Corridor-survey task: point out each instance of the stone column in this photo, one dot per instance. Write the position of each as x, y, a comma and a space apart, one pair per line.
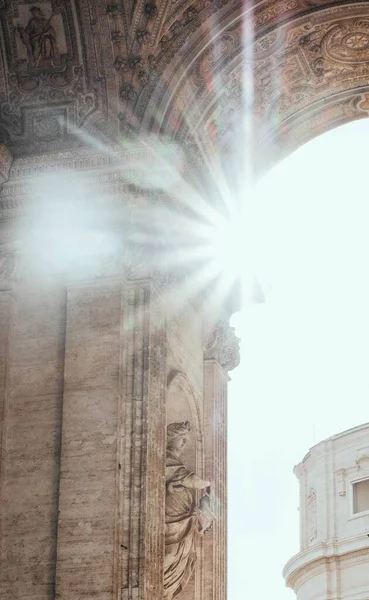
140, 518
221, 354
111, 519
85, 543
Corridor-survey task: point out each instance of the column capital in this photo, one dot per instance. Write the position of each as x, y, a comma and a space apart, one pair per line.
222, 344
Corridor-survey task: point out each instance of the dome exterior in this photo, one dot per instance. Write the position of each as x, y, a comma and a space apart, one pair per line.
333, 562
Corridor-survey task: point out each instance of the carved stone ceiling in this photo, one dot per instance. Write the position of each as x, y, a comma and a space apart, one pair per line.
191, 69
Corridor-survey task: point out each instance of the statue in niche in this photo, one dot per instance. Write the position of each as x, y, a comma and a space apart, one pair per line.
184, 519
39, 38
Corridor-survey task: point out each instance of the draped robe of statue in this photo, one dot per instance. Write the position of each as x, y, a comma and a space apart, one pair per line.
39, 37
184, 521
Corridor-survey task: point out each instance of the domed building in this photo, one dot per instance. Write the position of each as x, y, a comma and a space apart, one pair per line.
333, 561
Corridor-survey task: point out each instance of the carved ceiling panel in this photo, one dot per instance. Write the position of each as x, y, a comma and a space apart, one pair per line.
311, 75
74, 71
54, 79
305, 71
316, 57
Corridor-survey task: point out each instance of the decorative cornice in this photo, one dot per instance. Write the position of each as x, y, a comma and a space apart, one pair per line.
301, 568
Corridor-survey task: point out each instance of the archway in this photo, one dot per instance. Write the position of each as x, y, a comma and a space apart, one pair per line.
273, 75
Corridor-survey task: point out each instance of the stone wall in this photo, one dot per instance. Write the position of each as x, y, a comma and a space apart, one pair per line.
96, 359
32, 365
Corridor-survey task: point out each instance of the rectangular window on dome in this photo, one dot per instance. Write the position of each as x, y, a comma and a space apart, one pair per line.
361, 496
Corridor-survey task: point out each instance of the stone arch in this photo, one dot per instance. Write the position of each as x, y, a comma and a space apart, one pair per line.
310, 74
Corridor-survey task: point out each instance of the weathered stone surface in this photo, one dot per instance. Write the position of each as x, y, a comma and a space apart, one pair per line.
89, 443
215, 422
31, 447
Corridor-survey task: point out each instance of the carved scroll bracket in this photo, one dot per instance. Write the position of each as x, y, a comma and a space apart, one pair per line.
223, 345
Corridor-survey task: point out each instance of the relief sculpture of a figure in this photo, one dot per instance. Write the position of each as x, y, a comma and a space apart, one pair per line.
39, 38
184, 519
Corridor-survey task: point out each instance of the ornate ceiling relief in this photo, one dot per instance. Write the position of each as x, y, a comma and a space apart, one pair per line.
185, 68
312, 59
307, 71
311, 76
94, 70
147, 37
53, 80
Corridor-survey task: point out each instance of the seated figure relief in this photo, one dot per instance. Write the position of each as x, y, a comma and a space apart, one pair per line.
184, 519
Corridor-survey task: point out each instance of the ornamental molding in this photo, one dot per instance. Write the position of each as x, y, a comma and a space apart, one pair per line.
362, 459
312, 530
296, 577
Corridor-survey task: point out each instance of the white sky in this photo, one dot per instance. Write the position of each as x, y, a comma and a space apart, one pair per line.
305, 353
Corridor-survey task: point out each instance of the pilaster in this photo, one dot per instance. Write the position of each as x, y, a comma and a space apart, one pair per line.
140, 521
221, 354
85, 539
111, 519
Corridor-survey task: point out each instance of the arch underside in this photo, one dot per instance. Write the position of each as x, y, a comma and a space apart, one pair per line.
198, 71
300, 76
